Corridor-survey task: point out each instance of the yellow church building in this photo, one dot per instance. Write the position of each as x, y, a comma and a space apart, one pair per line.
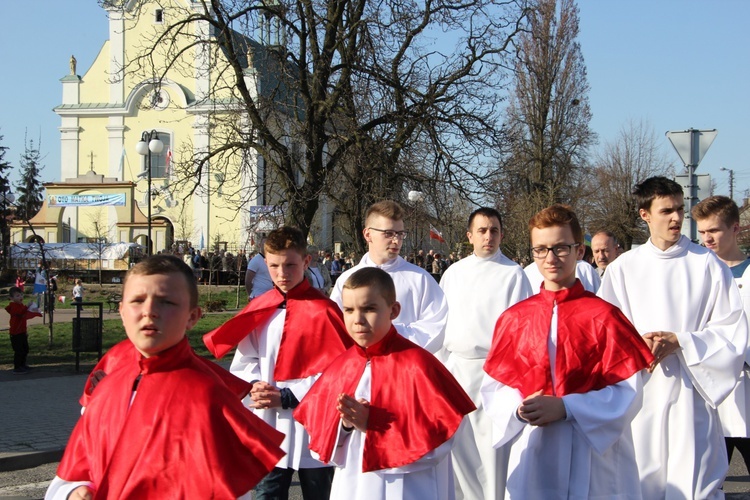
105, 191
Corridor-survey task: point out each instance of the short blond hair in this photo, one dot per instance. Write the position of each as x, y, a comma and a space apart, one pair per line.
386, 208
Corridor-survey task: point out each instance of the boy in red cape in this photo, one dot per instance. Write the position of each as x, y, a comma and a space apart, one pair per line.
386, 410
161, 424
563, 379
285, 338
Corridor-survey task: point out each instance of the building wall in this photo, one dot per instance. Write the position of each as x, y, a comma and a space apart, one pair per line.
105, 115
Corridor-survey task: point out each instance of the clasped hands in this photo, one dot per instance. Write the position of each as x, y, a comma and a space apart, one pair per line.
354, 412
265, 396
662, 344
538, 409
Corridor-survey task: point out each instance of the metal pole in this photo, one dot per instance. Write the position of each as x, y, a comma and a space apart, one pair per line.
148, 145
148, 195
731, 180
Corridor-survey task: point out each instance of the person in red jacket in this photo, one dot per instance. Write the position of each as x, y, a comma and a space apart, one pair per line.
385, 411
19, 337
162, 423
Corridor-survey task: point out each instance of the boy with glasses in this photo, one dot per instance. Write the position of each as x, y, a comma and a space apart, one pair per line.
424, 310
563, 379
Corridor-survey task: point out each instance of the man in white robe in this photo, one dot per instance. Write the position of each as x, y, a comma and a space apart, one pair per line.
478, 289
585, 273
424, 310
718, 221
683, 301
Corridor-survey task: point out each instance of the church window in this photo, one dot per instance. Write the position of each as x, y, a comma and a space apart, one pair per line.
161, 164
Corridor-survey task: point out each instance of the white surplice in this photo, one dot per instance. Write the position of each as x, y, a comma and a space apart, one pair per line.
429, 477
423, 307
478, 291
734, 411
255, 359
589, 455
688, 291
585, 272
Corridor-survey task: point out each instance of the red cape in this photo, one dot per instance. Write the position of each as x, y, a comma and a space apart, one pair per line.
416, 404
186, 435
314, 332
125, 350
596, 344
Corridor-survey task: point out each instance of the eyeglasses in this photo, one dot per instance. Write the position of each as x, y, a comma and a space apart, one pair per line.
390, 234
558, 250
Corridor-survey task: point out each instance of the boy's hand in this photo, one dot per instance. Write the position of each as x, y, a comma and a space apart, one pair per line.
541, 410
265, 396
81, 493
354, 412
662, 344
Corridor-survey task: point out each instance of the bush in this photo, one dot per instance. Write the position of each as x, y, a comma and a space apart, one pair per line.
215, 305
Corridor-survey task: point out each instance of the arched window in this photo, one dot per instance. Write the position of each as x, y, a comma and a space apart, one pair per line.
161, 163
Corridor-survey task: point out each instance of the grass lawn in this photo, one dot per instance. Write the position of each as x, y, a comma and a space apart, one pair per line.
60, 357
95, 293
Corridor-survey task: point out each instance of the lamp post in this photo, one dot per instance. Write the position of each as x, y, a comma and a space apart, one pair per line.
148, 144
415, 197
6, 197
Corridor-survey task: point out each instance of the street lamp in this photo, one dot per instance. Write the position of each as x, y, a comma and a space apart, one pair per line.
415, 197
148, 144
5, 197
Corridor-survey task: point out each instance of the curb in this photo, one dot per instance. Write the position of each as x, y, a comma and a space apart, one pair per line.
28, 460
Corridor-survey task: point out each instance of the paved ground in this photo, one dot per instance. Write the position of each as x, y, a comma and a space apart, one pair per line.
38, 412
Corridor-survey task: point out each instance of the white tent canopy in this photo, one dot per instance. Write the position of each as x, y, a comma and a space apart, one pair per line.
28, 254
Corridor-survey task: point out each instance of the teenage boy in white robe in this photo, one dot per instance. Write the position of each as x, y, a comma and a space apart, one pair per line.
563, 379
424, 310
478, 288
684, 302
718, 221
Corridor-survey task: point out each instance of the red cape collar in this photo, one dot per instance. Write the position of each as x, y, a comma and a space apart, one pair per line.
314, 332
415, 405
596, 345
182, 419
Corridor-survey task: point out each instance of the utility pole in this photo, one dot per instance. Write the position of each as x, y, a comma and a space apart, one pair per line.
731, 181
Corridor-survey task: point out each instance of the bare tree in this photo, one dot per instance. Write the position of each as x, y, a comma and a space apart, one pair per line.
631, 158
331, 82
98, 240
184, 229
547, 119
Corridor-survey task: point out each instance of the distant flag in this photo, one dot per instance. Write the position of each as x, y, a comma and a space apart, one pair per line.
168, 160
436, 235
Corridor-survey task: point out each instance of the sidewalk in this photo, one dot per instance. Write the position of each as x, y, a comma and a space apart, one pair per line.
40, 409
38, 413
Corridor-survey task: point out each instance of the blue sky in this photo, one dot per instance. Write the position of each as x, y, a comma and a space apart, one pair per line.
674, 64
